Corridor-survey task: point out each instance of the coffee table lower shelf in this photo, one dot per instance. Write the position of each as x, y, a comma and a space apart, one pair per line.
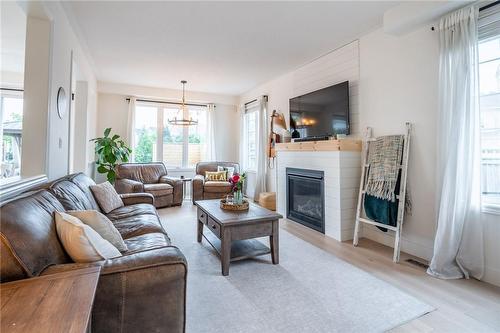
240, 249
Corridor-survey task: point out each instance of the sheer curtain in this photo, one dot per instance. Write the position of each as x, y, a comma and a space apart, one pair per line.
131, 125
458, 246
210, 153
262, 137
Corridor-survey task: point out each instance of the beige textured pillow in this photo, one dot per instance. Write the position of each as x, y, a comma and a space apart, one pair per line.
217, 175
106, 196
82, 243
104, 227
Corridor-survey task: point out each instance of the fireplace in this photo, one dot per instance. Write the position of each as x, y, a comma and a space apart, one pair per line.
305, 195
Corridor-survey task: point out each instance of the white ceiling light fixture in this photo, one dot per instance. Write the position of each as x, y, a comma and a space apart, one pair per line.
183, 110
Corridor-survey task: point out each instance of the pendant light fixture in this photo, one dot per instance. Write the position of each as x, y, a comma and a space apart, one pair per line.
182, 120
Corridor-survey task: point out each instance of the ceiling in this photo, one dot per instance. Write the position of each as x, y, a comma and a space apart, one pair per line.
218, 47
12, 37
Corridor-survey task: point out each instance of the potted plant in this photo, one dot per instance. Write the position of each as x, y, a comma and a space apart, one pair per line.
110, 151
238, 181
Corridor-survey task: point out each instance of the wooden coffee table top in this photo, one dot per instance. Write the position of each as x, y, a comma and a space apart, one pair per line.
255, 213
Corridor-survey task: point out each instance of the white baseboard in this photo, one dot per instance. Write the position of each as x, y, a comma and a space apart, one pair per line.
492, 275
416, 249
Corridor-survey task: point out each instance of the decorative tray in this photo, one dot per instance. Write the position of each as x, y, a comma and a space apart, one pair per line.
231, 206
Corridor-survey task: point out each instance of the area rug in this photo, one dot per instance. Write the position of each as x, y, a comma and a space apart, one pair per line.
310, 290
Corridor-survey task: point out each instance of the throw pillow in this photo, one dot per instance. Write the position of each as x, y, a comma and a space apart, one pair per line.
229, 170
104, 227
106, 196
217, 175
82, 243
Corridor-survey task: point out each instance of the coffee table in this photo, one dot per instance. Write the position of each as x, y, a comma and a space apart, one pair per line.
235, 231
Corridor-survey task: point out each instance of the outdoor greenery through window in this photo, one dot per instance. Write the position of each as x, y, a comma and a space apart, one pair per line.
489, 86
11, 118
176, 146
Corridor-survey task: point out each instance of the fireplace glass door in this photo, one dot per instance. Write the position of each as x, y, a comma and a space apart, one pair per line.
305, 194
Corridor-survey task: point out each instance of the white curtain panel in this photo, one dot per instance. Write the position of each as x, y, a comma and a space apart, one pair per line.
131, 125
262, 137
211, 153
458, 246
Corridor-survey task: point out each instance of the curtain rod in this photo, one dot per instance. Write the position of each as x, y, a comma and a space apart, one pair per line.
490, 5
254, 100
165, 102
12, 89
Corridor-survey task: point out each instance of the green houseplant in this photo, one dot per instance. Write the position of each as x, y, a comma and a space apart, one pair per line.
110, 151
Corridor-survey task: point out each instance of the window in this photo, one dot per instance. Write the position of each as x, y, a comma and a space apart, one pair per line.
11, 115
176, 146
250, 122
489, 88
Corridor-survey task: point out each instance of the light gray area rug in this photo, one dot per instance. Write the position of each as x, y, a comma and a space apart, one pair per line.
310, 290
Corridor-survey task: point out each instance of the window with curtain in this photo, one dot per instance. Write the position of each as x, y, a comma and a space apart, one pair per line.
179, 147
250, 130
11, 116
489, 86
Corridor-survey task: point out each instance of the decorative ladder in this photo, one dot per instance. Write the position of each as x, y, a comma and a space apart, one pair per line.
401, 196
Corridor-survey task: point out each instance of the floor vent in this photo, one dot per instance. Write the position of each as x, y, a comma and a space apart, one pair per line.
417, 263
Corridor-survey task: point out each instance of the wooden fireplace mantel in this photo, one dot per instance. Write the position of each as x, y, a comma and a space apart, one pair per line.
327, 145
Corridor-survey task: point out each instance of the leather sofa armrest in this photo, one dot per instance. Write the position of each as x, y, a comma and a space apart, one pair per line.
124, 185
139, 292
177, 184
137, 198
198, 184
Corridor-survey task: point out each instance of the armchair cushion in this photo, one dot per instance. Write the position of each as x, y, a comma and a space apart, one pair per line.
217, 186
158, 189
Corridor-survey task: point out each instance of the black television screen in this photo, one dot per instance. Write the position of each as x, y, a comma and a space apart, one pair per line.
323, 112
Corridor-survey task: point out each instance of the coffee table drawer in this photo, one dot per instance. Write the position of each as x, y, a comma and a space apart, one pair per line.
202, 216
214, 227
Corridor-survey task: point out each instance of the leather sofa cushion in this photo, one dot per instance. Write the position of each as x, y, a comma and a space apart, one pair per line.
147, 242
84, 182
70, 195
148, 173
28, 226
217, 187
138, 225
158, 189
131, 210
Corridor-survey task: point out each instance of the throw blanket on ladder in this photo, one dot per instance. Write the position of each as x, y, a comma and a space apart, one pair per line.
384, 158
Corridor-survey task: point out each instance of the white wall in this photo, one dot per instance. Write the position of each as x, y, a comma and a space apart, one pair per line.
64, 43
113, 109
398, 82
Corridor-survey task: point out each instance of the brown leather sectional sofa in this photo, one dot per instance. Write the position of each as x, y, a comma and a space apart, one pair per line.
142, 291
150, 178
203, 189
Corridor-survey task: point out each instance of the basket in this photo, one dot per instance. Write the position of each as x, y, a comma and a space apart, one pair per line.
234, 207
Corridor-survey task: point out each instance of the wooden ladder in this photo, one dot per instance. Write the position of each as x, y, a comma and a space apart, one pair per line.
401, 196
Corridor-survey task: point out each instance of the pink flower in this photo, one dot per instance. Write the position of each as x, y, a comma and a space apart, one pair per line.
236, 178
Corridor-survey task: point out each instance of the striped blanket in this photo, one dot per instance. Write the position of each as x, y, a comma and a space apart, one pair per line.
384, 157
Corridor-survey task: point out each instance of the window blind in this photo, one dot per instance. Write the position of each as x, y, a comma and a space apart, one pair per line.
489, 22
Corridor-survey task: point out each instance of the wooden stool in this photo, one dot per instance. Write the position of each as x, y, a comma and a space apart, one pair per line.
268, 200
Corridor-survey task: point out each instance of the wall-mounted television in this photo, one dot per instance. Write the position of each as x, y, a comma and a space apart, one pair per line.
321, 114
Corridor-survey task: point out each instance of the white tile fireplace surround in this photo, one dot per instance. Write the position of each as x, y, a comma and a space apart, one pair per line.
342, 172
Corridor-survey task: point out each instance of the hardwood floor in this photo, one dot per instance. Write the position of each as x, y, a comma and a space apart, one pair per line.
461, 305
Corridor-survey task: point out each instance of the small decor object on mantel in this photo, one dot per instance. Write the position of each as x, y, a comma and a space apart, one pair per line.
238, 181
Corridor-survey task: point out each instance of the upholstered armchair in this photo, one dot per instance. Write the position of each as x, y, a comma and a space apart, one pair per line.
203, 189
149, 178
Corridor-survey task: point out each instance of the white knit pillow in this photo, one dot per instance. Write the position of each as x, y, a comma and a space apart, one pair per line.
82, 243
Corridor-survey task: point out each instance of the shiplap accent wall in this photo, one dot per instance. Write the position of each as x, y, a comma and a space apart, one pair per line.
342, 171
335, 67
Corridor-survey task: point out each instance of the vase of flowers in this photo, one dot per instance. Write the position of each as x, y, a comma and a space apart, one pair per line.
237, 182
